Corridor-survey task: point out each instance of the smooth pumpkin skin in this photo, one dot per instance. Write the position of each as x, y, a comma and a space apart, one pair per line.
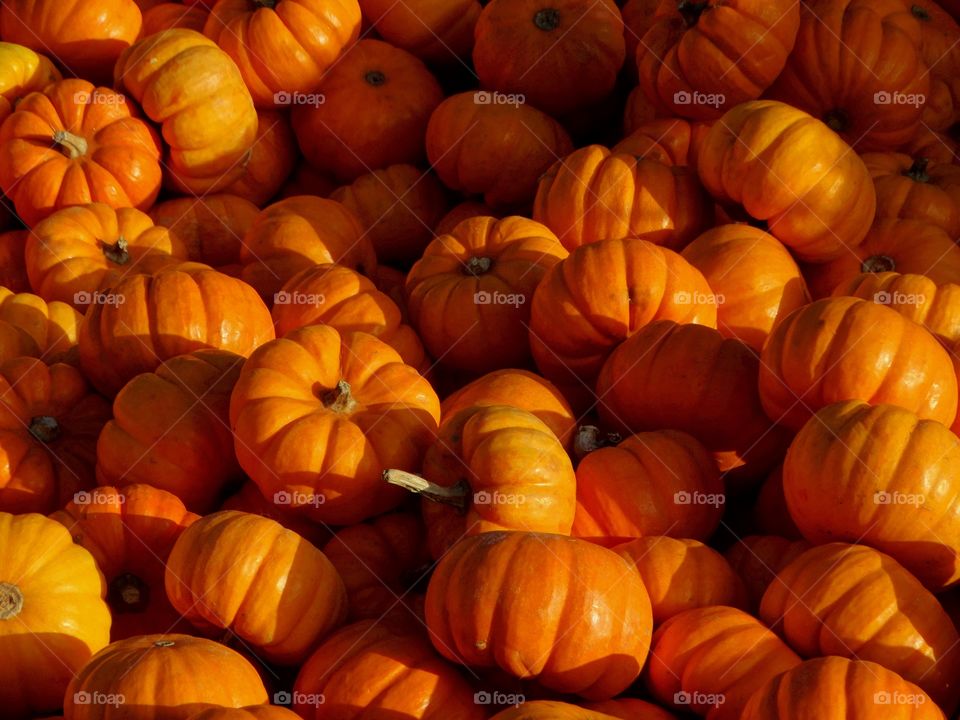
602, 294
835, 688
445, 291
369, 670
170, 429
437, 31
347, 301
397, 206
714, 650
631, 490
596, 194
682, 574
758, 558
170, 15
561, 55
13, 268
855, 602
45, 462
756, 276
691, 378
130, 533
916, 297
873, 46
271, 159
85, 37
495, 150
912, 187
190, 87
671, 141
550, 710
845, 348
849, 452
52, 326
24, 72
300, 431
298, 232
630, 709
734, 50
251, 712
377, 102
250, 575
594, 619
78, 251
54, 617
165, 677
285, 46
175, 311
790, 170
513, 473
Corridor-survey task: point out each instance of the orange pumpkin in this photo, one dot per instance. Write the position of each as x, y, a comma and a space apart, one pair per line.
482, 595
13, 268
671, 141
439, 32
469, 295
935, 146
24, 72
53, 327
376, 102
170, 15
270, 161
915, 188
939, 35
460, 212
594, 194
350, 409
249, 499
758, 558
638, 16
845, 348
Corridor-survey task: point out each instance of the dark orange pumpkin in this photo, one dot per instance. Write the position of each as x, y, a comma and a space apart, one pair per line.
460, 212
758, 558
671, 141
13, 267
435, 31
915, 188
270, 160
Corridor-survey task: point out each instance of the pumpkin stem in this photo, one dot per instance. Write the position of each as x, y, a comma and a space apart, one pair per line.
73, 146
837, 120
11, 601
691, 11
477, 266
128, 593
340, 400
920, 13
455, 495
547, 19
164, 643
878, 264
44, 428
918, 171
117, 252
375, 78
589, 438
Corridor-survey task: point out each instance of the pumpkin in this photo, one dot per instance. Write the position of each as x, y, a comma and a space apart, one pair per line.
251, 712
770, 515
638, 16
682, 574
130, 533
903, 246
264, 583
170, 429
74, 144
15, 343
87, 38
873, 88
492, 467
434, 31
916, 297
469, 295
629, 708
170, 15
521, 389
594, 194
171, 675
593, 615
460, 212
299, 232
845, 348
50, 420
691, 378
789, 170
827, 601
376, 102
902, 472
551, 710
479, 145
758, 558
194, 91
638, 110
653, 483
249, 499
345, 300
835, 688
24, 72
212, 228
710, 660
755, 280
939, 34
301, 39
80, 251
915, 188
671, 141
13, 269
699, 59
177, 310
390, 282
53, 326
368, 669
379, 561
398, 208
271, 159
559, 55
318, 416
934, 146
53, 616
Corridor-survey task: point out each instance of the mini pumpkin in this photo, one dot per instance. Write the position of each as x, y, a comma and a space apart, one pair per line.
24, 72
939, 34
460, 212
249, 499
758, 558
915, 188
270, 162
52, 326
671, 141
439, 32
170, 15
